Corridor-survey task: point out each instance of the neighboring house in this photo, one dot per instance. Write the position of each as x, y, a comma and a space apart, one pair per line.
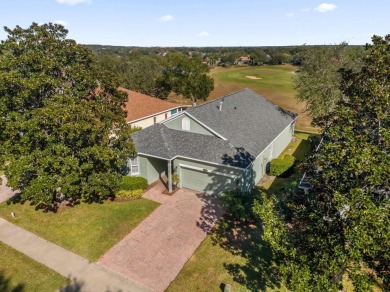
144, 110
224, 144
243, 60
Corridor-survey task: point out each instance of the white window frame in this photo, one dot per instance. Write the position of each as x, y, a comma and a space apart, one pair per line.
186, 124
132, 165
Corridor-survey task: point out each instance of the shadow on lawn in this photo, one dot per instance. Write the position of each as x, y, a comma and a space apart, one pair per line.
5, 285
259, 272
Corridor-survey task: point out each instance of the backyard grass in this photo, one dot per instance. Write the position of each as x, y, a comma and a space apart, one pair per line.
88, 230
236, 254
20, 273
273, 82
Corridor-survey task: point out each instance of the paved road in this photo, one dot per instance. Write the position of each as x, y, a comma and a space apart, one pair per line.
5, 192
157, 249
85, 276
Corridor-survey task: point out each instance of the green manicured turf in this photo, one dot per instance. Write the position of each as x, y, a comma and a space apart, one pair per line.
20, 273
275, 78
86, 229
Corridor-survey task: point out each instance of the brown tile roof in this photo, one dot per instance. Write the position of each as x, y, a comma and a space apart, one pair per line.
140, 105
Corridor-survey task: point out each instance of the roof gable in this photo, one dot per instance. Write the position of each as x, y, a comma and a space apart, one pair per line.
246, 124
245, 119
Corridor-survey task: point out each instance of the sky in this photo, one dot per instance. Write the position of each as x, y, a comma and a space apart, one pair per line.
204, 23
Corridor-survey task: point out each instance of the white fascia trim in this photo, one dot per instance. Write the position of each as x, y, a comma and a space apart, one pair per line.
155, 114
175, 116
153, 156
208, 162
204, 125
192, 159
207, 170
289, 125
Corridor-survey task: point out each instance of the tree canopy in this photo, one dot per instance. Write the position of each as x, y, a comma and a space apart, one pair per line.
160, 75
62, 130
319, 78
187, 76
340, 227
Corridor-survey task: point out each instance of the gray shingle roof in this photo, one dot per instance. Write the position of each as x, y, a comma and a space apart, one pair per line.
247, 120
160, 141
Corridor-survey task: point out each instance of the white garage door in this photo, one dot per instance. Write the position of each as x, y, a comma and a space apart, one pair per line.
204, 181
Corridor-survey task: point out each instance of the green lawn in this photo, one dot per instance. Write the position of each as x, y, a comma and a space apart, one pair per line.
235, 253
20, 273
86, 229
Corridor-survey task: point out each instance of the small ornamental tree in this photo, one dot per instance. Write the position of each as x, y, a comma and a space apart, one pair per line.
341, 226
62, 130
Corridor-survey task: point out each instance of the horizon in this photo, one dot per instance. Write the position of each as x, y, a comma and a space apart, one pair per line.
245, 23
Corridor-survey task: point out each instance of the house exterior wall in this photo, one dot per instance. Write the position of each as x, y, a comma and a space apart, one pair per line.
195, 127
152, 168
209, 178
257, 169
149, 121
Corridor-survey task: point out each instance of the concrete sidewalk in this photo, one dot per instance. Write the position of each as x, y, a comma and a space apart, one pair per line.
5, 192
85, 276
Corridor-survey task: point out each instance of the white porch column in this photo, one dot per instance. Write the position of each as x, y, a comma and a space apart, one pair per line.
169, 175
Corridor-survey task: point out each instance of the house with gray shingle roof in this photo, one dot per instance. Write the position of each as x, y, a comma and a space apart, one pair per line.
225, 144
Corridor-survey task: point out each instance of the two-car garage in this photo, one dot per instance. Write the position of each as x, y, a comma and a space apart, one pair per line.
207, 180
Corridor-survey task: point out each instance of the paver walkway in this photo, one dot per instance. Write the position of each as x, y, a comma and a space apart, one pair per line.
157, 249
5, 192
86, 276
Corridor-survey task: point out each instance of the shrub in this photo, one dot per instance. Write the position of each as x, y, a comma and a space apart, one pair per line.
282, 166
240, 205
129, 194
131, 183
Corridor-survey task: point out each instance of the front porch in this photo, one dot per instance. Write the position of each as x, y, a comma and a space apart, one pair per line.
157, 170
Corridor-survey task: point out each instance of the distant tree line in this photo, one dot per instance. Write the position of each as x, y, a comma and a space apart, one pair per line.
225, 56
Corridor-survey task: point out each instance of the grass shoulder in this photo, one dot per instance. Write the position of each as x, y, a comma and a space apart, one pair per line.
20, 273
88, 230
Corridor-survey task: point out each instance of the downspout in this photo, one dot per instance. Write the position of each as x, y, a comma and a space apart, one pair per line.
170, 176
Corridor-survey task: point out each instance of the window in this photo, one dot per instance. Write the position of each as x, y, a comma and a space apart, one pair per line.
174, 111
134, 166
185, 124
154, 120
166, 115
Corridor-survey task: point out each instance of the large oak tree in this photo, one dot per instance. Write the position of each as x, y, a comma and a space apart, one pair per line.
340, 227
62, 130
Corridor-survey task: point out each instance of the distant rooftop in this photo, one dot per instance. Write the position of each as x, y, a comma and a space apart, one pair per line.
140, 105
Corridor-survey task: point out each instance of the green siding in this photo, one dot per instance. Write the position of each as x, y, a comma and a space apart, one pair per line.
152, 168
257, 170
195, 127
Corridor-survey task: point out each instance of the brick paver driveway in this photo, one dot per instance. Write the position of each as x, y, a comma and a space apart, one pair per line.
155, 252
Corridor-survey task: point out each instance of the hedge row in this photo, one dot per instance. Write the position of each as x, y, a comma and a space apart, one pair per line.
129, 194
280, 167
131, 183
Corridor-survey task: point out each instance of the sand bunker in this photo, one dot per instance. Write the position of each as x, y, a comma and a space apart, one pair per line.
253, 77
